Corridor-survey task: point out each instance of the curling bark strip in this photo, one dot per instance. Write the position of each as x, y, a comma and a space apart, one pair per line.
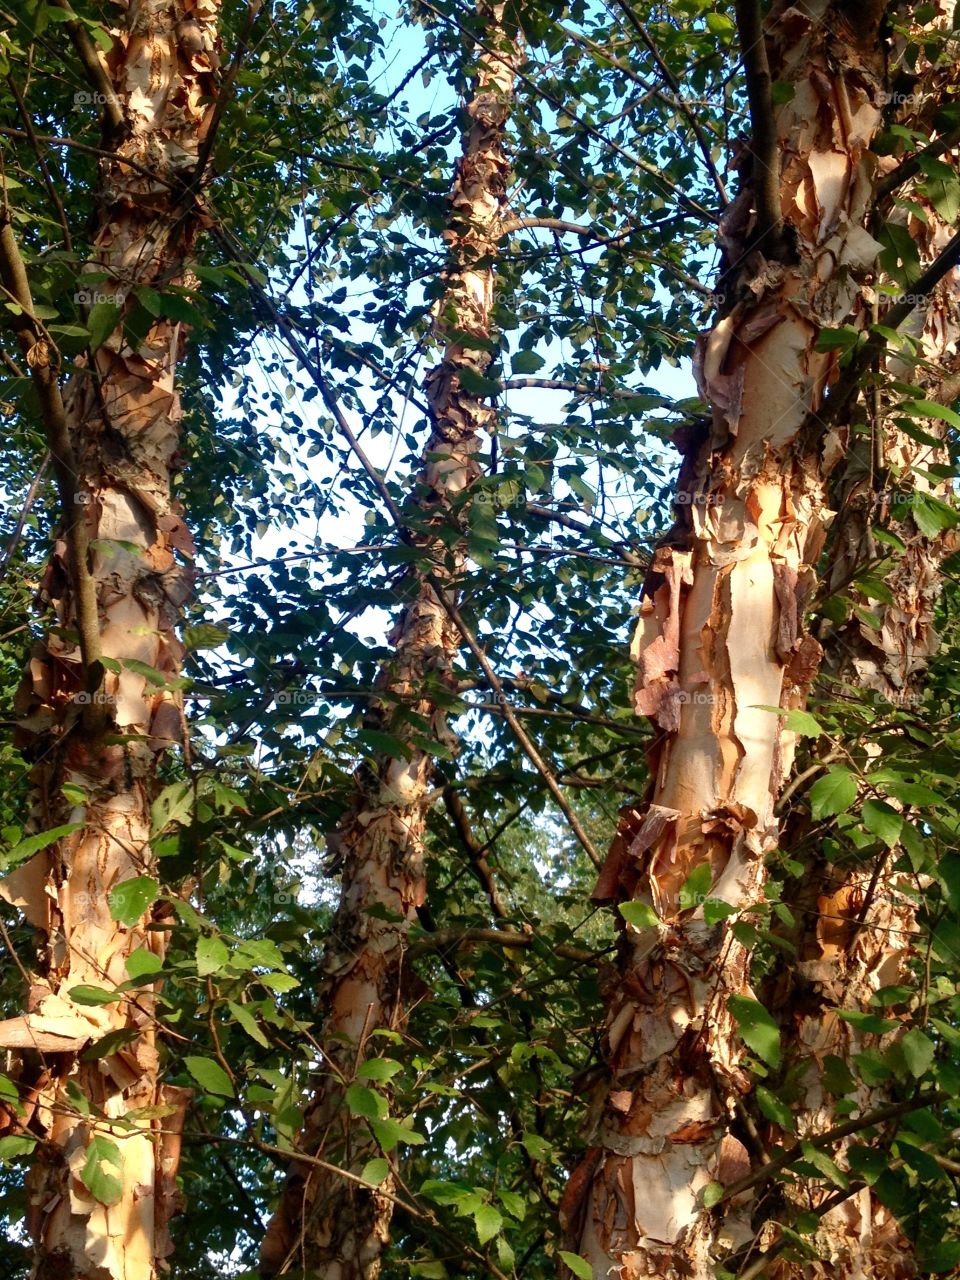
96, 718
722, 635
326, 1225
857, 925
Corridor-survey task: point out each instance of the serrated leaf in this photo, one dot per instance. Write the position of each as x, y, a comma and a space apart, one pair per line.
142, 962
526, 362
130, 899
365, 1102
101, 1169
245, 1018
488, 1221
33, 844
210, 1076
775, 1109
834, 793
882, 821
639, 914
696, 888
918, 1052
15, 1145
101, 322
212, 954
389, 1133
374, 1171
757, 1028
378, 1069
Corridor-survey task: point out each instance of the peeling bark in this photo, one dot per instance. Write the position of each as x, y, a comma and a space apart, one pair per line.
325, 1225
855, 927
91, 720
721, 636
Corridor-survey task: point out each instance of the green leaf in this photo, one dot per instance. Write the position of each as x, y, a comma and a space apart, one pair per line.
488, 1221
73, 793
757, 1028
212, 954
918, 1052
130, 899
210, 1076
390, 1132
775, 1110
712, 1194
102, 1157
245, 1018
882, 821
640, 915
14, 1145
834, 793
715, 910
526, 362
930, 515
696, 888
823, 1164
366, 1102
86, 994
870, 1023
803, 724
514, 1204
33, 844
101, 322
173, 804
379, 1069
142, 962
374, 1171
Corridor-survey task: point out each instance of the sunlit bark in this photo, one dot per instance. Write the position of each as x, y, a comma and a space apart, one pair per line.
721, 638
99, 706
327, 1225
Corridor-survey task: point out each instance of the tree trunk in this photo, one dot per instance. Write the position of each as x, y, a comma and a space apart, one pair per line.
96, 722
327, 1225
722, 637
856, 925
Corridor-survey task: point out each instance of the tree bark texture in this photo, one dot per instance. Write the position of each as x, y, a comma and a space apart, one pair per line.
326, 1225
721, 637
99, 704
857, 924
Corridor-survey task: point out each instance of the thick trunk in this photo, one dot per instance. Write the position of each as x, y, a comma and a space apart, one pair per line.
327, 1225
95, 724
857, 924
721, 637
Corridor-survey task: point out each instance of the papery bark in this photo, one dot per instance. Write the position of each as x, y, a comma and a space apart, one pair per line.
857, 925
326, 1225
103, 731
721, 640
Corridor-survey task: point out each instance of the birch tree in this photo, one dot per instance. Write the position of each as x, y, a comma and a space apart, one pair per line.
329, 1224
724, 654
99, 706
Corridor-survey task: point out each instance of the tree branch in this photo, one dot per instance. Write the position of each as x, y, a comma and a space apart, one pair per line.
766, 167
42, 359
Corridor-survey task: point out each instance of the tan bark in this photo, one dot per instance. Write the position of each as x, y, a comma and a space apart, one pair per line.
326, 1225
91, 720
857, 927
722, 636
